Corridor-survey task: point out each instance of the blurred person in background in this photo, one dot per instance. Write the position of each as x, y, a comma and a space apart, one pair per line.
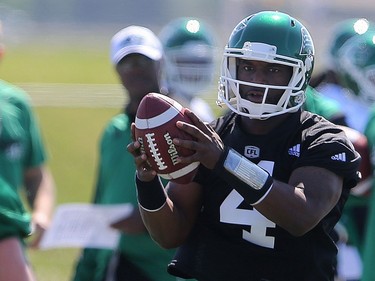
355, 91
23, 170
136, 55
358, 57
189, 63
333, 81
324, 106
340, 82
334, 100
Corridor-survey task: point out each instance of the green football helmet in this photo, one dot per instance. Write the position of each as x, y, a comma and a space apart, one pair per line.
343, 31
188, 56
357, 58
271, 37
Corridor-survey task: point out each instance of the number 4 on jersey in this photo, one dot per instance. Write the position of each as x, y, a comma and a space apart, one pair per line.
231, 213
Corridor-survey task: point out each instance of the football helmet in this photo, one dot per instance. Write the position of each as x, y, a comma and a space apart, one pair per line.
271, 37
357, 58
188, 56
342, 32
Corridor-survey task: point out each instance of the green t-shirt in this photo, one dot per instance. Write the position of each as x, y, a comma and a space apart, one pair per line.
21, 147
321, 105
116, 184
21, 144
14, 220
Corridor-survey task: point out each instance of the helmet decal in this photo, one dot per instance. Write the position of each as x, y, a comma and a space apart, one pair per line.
240, 26
307, 44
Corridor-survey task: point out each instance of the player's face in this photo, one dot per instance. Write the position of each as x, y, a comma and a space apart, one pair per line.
260, 72
138, 74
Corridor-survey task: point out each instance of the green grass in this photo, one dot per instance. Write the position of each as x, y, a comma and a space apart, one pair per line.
71, 135
61, 64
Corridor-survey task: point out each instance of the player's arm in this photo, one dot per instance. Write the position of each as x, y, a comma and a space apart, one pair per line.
298, 206
12, 261
171, 224
40, 190
168, 214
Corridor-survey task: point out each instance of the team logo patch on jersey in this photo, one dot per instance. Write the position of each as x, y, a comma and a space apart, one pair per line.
252, 151
339, 157
295, 150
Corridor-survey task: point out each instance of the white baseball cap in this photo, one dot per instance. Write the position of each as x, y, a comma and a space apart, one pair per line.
135, 39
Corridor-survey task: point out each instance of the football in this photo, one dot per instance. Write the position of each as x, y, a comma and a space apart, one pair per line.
155, 128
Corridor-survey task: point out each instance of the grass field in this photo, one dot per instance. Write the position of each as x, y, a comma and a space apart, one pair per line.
63, 63
71, 136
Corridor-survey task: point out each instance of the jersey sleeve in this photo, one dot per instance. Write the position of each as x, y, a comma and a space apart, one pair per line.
328, 147
35, 154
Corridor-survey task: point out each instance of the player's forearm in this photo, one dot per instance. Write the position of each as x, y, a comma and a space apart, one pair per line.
41, 193
166, 226
165, 223
302, 203
45, 199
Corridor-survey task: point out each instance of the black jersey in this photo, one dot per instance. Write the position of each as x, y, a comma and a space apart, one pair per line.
232, 241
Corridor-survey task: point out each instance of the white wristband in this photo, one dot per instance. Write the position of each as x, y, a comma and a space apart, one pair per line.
250, 180
245, 170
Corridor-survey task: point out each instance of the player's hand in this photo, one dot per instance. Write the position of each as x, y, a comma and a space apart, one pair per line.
208, 145
40, 224
144, 170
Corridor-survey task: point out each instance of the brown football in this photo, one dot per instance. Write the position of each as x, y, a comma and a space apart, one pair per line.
155, 128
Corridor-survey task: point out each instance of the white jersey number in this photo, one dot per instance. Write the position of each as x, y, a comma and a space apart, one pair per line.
231, 213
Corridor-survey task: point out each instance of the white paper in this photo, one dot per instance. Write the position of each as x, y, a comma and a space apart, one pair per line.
85, 226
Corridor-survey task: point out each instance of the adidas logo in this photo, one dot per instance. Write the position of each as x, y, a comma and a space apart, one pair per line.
339, 157
295, 150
